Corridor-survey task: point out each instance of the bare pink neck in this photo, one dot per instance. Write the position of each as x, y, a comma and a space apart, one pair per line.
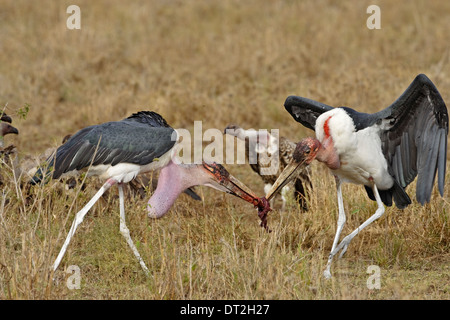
328, 155
173, 180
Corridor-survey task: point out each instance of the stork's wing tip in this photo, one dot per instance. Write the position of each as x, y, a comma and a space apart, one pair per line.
294, 100
422, 77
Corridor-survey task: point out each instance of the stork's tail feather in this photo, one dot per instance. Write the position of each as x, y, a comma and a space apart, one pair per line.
401, 198
396, 192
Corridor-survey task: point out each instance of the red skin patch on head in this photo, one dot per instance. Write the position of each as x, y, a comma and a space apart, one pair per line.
326, 128
328, 154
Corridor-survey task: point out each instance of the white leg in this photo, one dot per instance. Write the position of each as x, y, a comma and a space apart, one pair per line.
79, 218
345, 242
340, 224
126, 232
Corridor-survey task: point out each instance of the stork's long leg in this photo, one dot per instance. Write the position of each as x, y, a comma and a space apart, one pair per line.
125, 231
340, 224
345, 242
79, 218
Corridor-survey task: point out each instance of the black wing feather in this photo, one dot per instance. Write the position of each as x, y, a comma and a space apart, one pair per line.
113, 143
150, 118
414, 137
138, 139
305, 111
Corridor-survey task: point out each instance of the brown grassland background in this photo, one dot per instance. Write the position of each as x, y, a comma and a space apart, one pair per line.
219, 62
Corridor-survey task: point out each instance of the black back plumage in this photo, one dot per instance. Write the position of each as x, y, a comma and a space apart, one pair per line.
138, 139
151, 118
413, 134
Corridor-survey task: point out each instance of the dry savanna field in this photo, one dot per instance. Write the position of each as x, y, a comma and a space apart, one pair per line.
218, 62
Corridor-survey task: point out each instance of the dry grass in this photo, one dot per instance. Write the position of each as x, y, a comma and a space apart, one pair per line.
219, 62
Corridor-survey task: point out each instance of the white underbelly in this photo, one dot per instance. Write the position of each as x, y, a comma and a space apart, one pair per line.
361, 174
125, 172
365, 161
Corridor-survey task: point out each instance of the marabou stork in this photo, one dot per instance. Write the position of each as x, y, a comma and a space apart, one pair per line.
119, 151
383, 151
268, 156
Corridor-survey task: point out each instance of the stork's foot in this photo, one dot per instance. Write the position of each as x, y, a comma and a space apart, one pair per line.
341, 247
327, 274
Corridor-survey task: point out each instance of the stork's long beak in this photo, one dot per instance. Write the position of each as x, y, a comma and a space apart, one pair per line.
227, 183
286, 176
222, 180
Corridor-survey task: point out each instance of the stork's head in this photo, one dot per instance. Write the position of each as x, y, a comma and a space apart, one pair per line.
219, 178
305, 152
222, 180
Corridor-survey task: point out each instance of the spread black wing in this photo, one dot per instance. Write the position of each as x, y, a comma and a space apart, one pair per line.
414, 137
